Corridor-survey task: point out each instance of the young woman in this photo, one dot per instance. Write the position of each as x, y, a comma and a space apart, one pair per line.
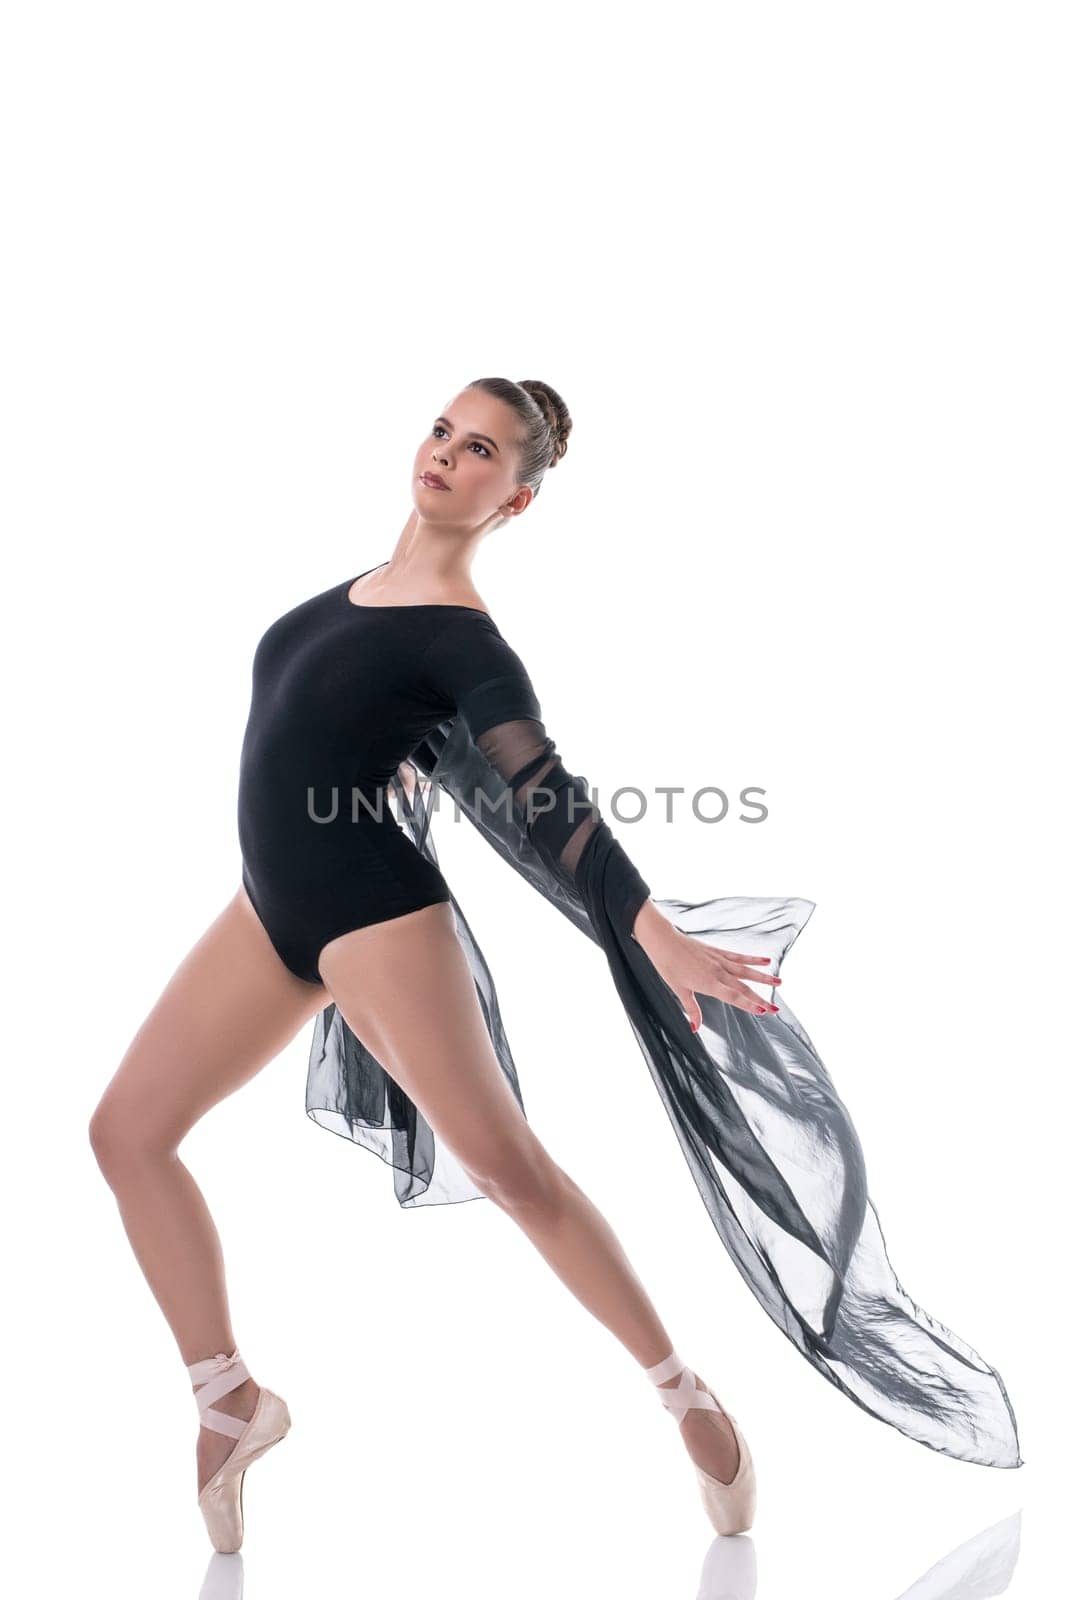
343, 913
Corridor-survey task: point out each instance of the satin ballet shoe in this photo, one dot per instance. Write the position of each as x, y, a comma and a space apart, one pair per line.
221, 1499
731, 1507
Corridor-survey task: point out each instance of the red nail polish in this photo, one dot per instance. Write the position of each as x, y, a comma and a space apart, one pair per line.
772, 1008
761, 1010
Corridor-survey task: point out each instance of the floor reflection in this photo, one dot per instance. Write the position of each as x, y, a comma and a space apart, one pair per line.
983, 1566
224, 1578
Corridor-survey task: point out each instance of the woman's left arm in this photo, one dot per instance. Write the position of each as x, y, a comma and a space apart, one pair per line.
485, 679
562, 823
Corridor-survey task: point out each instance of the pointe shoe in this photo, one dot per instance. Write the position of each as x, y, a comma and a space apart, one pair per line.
731, 1507
221, 1499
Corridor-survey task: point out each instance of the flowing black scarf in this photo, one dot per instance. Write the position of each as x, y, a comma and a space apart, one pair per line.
771, 1147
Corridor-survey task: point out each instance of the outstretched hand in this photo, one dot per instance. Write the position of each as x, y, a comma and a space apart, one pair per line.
689, 967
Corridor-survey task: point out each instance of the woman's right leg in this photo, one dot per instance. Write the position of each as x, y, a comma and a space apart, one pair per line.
438, 1050
229, 1008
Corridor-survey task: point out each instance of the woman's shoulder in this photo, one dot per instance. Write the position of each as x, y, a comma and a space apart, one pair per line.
462, 628
471, 641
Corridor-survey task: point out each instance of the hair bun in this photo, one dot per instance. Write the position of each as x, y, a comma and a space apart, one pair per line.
555, 413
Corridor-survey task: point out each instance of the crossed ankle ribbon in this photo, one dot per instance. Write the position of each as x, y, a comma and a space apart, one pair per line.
223, 1363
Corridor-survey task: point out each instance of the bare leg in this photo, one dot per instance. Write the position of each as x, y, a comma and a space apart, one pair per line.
441, 1055
228, 1010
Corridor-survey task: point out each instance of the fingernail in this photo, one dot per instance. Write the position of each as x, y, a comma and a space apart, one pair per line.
695, 1026
761, 1009
772, 1008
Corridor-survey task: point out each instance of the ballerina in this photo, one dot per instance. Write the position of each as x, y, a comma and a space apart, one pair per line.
343, 916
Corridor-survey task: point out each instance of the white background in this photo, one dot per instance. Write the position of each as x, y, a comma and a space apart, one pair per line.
797, 271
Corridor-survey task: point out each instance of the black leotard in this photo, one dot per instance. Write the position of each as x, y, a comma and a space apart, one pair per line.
341, 695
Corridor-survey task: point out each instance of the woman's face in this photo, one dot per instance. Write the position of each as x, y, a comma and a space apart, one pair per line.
472, 447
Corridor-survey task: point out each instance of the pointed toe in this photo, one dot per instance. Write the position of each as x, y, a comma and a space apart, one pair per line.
730, 1507
221, 1500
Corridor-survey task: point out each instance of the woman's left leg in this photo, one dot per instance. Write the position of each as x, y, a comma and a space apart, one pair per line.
441, 1055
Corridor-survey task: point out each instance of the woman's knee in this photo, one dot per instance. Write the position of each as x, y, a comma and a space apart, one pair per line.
121, 1135
524, 1180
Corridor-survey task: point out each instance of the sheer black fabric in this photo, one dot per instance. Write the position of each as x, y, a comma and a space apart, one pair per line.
770, 1145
